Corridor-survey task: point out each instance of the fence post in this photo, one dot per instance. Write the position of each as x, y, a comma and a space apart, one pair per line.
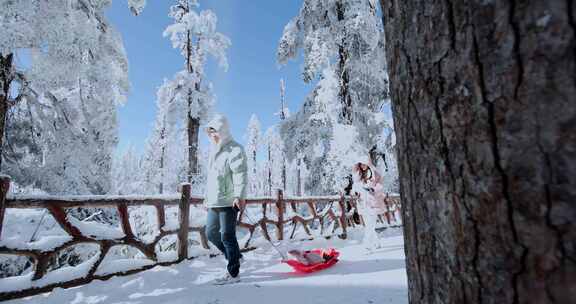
280, 211
4, 187
125, 221
343, 217
184, 219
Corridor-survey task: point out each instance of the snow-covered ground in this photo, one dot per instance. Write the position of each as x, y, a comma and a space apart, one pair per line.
359, 277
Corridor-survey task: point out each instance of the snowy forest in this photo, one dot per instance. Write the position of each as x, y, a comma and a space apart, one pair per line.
62, 126
465, 111
63, 90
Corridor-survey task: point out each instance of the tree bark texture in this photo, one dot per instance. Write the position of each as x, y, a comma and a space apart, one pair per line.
484, 101
4, 187
6, 77
193, 129
344, 75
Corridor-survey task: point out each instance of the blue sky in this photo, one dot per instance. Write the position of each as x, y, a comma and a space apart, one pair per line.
251, 84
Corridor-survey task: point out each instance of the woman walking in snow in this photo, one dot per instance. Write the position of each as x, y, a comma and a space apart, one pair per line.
225, 193
367, 183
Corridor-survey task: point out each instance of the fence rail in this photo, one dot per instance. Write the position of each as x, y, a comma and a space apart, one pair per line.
276, 212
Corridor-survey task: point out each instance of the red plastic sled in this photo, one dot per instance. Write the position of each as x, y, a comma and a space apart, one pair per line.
299, 267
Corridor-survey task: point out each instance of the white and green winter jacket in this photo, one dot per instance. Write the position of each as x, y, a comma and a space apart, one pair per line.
227, 169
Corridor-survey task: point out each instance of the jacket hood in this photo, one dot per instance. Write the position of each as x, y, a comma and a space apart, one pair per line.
220, 124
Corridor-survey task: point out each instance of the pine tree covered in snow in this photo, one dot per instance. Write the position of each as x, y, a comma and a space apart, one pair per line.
275, 156
154, 156
58, 113
61, 134
136, 6
164, 162
385, 158
252, 143
127, 173
195, 35
284, 111
341, 120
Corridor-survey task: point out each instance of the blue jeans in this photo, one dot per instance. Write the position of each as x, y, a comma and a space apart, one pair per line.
221, 231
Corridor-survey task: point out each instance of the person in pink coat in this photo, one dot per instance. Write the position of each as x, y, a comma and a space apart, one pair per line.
372, 199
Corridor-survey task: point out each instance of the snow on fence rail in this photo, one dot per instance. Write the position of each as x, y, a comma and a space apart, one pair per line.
276, 212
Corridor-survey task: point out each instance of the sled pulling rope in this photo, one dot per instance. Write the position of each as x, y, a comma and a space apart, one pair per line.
330, 256
271, 243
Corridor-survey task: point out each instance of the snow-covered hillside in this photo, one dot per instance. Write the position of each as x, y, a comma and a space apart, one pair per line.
359, 277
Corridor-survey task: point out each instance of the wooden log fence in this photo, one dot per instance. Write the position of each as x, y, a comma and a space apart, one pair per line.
320, 210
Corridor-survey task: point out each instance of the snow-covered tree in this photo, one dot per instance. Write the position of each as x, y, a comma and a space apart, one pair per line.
62, 36
164, 161
155, 158
126, 173
314, 136
385, 158
252, 143
341, 120
284, 111
195, 35
58, 113
136, 6
274, 163
60, 137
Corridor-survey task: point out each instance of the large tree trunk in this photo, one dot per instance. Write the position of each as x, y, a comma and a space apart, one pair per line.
6, 77
344, 75
484, 100
344, 94
193, 124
